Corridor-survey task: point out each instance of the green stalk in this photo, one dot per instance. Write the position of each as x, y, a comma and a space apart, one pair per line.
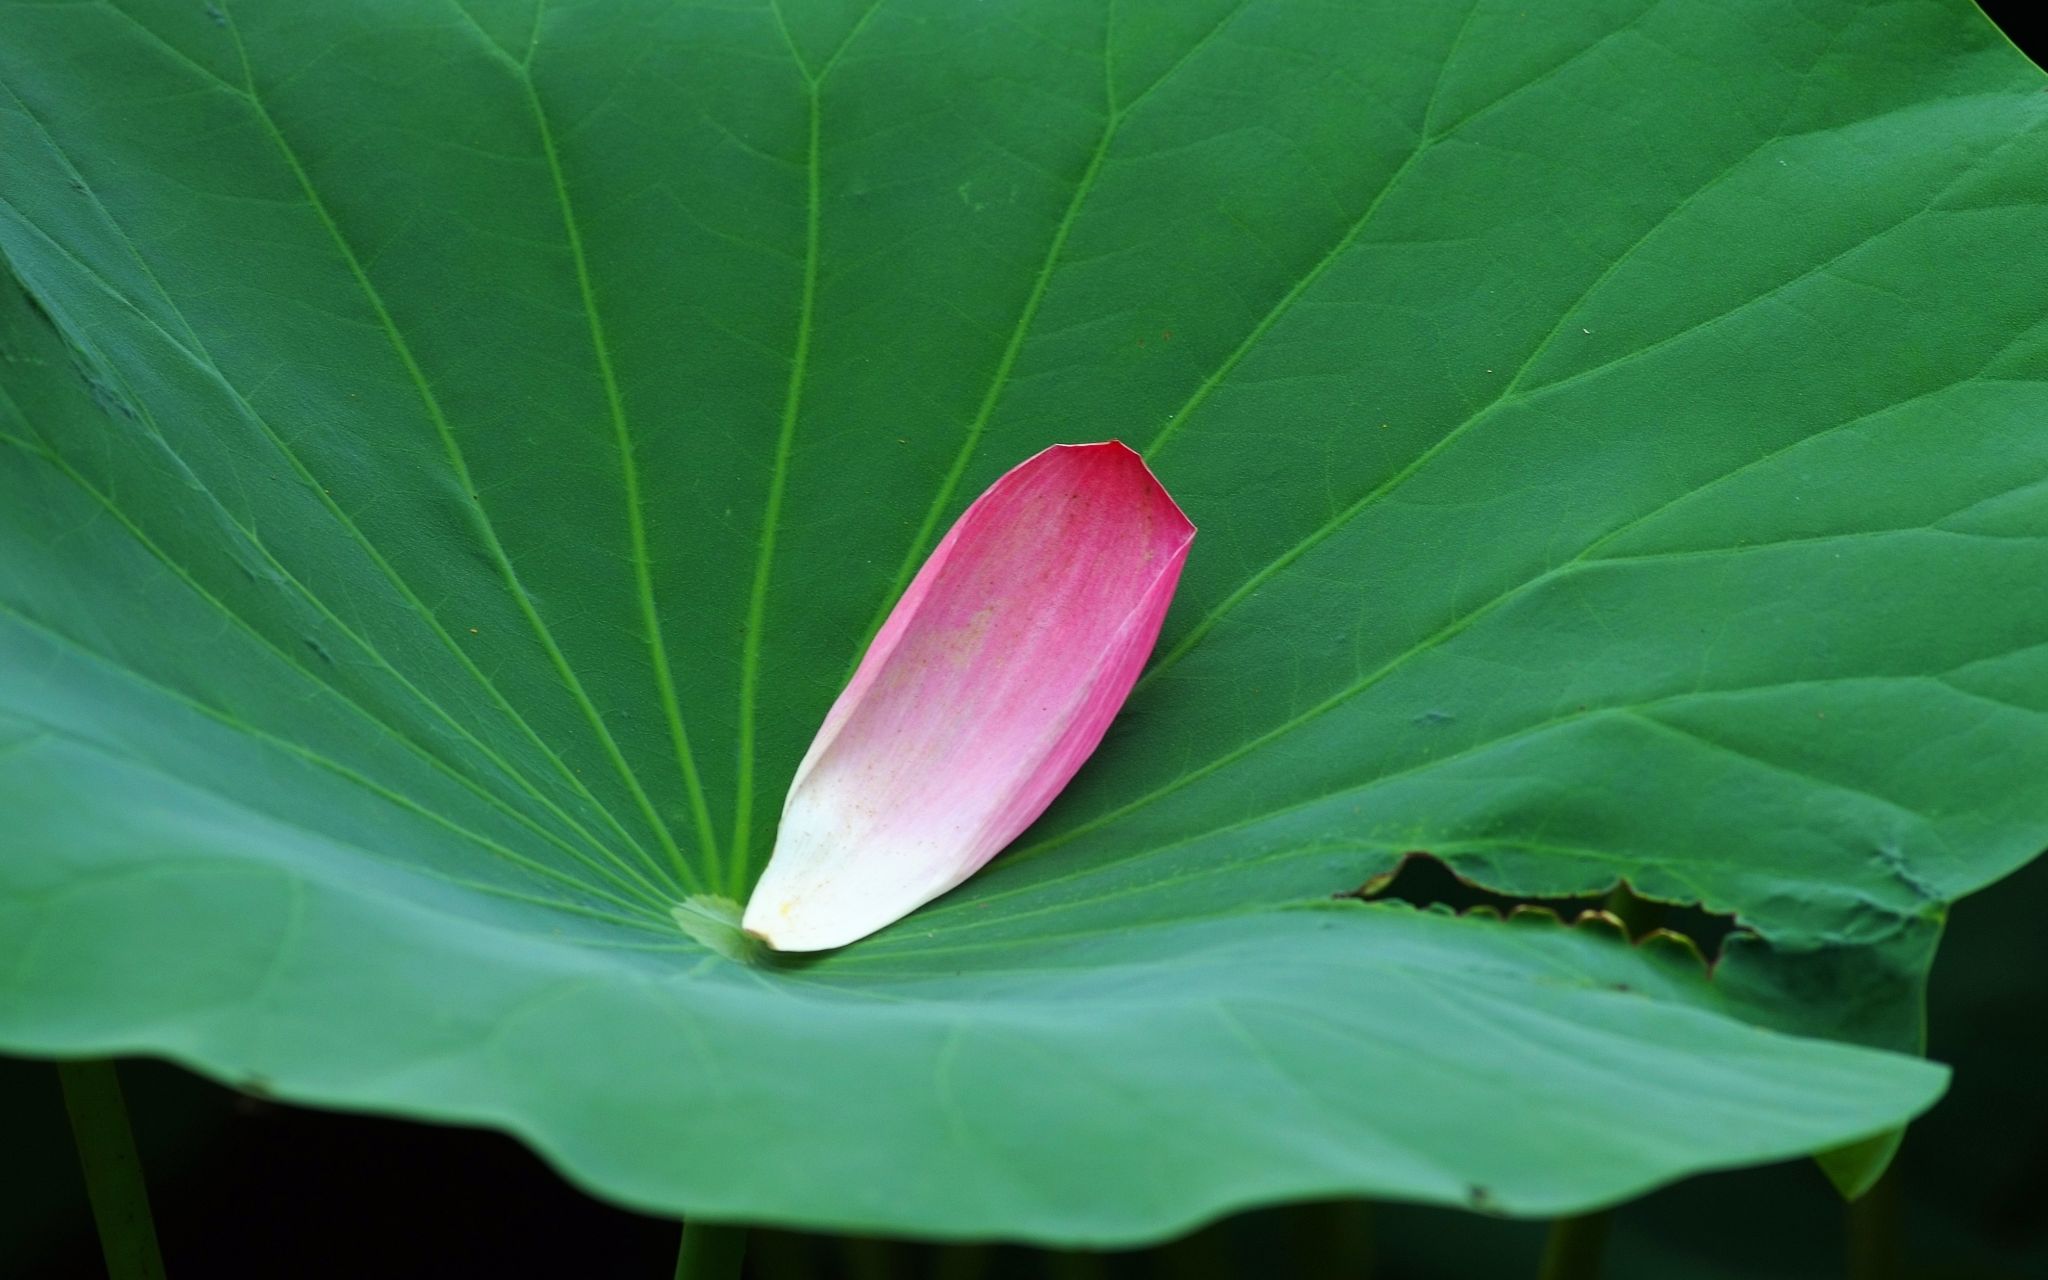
1637, 915
1347, 1237
1877, 1235
710, 1251
113, 1172
1575, 1246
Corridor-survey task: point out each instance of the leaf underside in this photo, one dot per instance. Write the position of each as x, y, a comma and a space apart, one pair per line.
451, 454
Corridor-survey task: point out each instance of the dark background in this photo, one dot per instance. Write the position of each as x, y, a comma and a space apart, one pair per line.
246, 1187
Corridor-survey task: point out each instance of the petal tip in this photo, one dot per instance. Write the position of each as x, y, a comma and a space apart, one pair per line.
1116, 453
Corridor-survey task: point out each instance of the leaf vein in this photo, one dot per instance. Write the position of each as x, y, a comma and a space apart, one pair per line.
452, 449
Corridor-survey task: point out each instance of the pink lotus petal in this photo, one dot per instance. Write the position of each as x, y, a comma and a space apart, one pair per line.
991, 682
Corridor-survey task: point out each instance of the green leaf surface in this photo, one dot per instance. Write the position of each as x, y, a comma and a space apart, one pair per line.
452, 454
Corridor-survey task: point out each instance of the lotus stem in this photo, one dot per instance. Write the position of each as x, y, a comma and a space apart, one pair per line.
710, 1251
113, 1171
1876, 1231
1576, 1246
